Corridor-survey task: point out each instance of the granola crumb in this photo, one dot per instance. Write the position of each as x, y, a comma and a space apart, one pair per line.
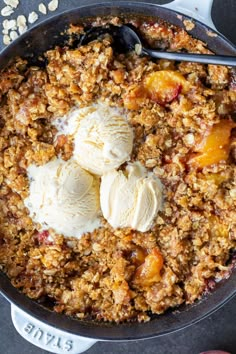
189, 25
189, 139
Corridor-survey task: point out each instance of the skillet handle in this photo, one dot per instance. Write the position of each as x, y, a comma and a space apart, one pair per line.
198, 9
47, 337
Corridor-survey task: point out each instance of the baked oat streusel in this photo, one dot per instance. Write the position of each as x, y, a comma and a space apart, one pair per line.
182, 118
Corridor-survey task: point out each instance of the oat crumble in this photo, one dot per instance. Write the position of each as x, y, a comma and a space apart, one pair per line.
122, 274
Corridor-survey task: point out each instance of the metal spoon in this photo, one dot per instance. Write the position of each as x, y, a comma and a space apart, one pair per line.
126, 39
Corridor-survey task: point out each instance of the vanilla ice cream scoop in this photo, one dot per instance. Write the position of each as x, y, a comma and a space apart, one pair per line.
64, 197
130, 198
103, 139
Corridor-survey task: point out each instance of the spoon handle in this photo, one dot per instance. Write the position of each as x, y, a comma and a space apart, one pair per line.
197, 58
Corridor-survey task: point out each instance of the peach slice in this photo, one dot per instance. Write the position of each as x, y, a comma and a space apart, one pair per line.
135, 98
215, 145
138, 256
165, 85
149, 272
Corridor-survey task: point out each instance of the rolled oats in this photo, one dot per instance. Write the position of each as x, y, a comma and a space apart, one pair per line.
21, 24
42, 8
189, 139
232, 193
10, 24
53, 5
21, 20
12, 3
22, 29
6, 39
7, 11
13, 35
33, 17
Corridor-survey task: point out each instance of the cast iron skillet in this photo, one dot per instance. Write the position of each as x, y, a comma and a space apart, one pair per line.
30, 45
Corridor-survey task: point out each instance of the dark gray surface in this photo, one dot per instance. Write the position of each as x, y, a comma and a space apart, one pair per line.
217, 331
